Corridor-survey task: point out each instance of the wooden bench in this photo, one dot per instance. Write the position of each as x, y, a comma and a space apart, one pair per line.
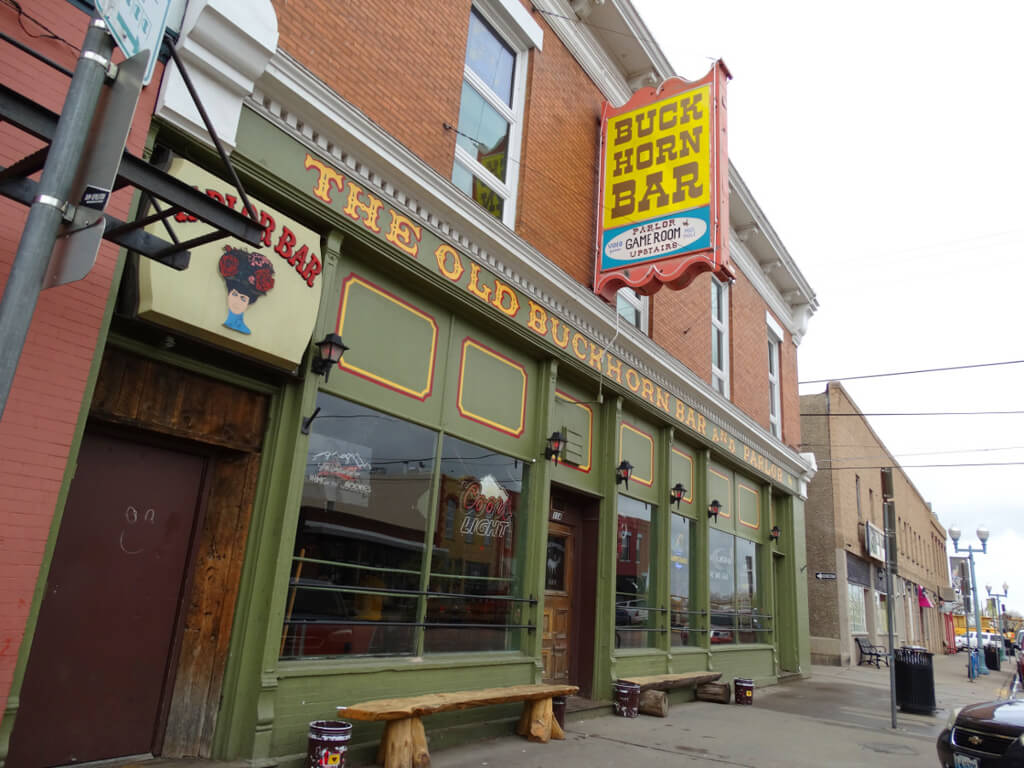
872, 654
654, 688
404, 744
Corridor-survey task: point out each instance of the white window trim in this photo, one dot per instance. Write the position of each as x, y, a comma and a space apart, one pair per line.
775, 337
520, 32
723, 326
638, 302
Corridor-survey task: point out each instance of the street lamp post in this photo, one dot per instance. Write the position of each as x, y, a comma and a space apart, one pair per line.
1000, 616
954, 534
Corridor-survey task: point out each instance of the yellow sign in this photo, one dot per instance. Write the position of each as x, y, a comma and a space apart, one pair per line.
260, 302
658, 159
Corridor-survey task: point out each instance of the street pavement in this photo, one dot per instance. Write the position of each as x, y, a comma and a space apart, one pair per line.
839, 716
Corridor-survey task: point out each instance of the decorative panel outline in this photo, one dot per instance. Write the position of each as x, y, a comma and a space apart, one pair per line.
345, 365
590, 430
518, 430
647, 481
757, 505
688, 496
727, 512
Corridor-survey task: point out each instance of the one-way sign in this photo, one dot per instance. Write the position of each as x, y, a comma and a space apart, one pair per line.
825, 576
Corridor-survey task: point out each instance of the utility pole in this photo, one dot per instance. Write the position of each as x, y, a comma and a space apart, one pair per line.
46, 215
889, 521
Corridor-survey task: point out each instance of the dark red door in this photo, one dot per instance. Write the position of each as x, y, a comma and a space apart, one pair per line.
95, 678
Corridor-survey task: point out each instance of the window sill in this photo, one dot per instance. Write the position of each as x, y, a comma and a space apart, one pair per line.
335, 665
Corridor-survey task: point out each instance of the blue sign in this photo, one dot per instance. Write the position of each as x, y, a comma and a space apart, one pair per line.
137, 25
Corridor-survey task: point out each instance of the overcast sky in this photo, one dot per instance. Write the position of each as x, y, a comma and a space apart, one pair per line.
885, 144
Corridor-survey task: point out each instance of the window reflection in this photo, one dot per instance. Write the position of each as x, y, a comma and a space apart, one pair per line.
360, 540
681, 556
633, 575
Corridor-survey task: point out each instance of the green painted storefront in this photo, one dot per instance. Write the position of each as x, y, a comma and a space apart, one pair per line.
449, 362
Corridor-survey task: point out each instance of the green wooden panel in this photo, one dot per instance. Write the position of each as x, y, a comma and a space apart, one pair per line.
682, 461
638, 444
574, 409
396, 361
492, 388
720, 486
391, 341
748, 506
490, 394
576, 423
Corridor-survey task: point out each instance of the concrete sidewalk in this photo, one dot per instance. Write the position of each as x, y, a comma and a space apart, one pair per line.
840, 716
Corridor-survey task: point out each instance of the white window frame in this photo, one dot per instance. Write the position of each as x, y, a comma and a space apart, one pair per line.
775, 337
512, 25
856, 608
640, 303
720, 326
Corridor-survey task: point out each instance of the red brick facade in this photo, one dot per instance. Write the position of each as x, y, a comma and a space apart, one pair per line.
42, 412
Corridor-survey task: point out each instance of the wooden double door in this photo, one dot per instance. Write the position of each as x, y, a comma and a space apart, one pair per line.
131, 640
569, 590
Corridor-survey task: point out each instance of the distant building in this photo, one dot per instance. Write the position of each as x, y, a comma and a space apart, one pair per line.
845, 539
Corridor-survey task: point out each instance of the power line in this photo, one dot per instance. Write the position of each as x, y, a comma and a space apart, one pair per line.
926, 466
923, 413
908, 373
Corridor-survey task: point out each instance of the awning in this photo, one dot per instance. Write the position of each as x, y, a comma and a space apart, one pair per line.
922, 599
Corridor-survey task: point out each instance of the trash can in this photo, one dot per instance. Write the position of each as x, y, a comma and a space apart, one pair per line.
558, 709
992, 658
743, 688
627, 699
328, 742
915, 680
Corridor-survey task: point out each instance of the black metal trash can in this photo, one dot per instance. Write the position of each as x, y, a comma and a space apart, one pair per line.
992, 660
328, 743
915, 680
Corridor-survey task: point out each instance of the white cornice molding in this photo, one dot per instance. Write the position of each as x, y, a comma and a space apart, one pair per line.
305, 107
225, 46
586, 49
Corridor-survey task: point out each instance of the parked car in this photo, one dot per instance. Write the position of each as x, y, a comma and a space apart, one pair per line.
970, 640
983, 735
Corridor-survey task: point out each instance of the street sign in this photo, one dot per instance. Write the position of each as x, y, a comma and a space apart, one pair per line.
137, 25
824, 576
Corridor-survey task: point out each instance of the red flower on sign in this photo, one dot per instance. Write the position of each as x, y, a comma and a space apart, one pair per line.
228, 265
262, 280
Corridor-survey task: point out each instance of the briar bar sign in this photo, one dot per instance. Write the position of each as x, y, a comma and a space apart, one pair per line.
664, 192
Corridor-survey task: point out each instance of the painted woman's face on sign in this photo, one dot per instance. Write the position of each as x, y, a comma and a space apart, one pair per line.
237, 302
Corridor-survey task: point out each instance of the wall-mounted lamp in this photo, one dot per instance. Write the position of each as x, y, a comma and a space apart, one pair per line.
331, 349
676, 493
555, 445
714, 508
773, 534
622, 473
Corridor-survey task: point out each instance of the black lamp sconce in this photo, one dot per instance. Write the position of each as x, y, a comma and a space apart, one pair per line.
331, 349
714, 508
554, 448
676, 493
622, 473
773, 534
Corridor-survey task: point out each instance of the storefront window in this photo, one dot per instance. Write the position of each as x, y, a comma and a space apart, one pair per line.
681, 555
471, 597
634, 623
356, 578
736, 614
856, 610
360, 540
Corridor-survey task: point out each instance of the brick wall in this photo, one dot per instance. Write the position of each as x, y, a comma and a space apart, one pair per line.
43, 407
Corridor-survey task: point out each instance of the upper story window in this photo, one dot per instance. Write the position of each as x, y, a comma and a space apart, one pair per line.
491, 114
775, 336
632, 308
720, 336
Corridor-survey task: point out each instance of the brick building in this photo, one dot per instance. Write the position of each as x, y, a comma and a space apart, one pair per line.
294, 536
844, 515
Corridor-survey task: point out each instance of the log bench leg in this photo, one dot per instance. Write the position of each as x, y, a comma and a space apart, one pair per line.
538, 723
404, 744
654, 703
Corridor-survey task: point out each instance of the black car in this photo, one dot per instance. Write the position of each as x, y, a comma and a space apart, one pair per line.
984, 736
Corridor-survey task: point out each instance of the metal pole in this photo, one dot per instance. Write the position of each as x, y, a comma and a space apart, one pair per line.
47, 211
890, 564
982, 667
